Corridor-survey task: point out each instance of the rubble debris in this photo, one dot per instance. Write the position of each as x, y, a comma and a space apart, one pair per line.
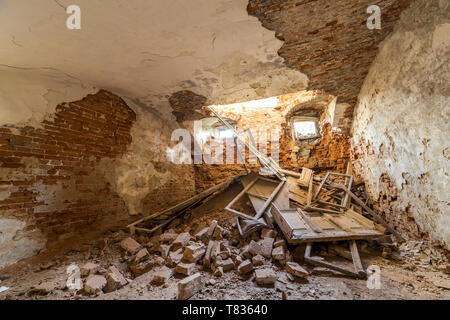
194, 253
94, 284
42, 289
174, 258
189, 286
162, 276
114, 280
265, 276
268, 233
255, 248
181, 241
202, 235
168, 237
278, 253
296, 270
245, 267
130, 245
279, 243
227, 265
266, 247
218, 271
91, 269
185, 268
164, 250
140, 268
207, 258
141, 255
258, 260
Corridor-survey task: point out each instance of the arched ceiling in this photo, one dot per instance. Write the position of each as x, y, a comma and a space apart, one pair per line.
141, 49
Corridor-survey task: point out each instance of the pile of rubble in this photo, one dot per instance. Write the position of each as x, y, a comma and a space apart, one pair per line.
418, 252
209, 248
193, 248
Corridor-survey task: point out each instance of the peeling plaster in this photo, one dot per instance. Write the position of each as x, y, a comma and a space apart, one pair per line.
403, 118
28, 96
133, 176
141, 49
16, 243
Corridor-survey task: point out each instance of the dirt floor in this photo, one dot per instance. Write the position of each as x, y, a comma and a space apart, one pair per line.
415, 271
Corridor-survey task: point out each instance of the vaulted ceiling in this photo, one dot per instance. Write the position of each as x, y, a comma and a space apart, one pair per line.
148, 50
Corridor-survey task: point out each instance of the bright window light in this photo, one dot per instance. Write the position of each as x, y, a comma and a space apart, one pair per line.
305, 128
226, 134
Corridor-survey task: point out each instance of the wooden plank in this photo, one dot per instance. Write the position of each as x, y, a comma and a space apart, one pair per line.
257, 196
361, 219
356, 259
320, 263
241, 194
310, 193
270, 199
371, 212
305, 176
347, 223
324, 223
188, 202
308, 220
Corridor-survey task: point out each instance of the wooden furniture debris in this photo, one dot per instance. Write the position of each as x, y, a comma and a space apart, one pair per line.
358, 268
161, 219
332, 198
305, 176
344, 201
299, 226
255, 189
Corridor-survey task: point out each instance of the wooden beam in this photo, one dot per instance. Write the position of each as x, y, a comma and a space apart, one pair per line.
188, 202
370, 211
356, 259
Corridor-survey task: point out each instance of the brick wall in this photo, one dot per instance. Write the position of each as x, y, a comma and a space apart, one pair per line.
328, 40
51, 172
49, 175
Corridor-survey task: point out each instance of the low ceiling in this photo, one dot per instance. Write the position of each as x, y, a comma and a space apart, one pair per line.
144, 50
148, 50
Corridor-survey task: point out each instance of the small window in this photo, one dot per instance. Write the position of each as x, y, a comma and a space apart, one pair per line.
305, 128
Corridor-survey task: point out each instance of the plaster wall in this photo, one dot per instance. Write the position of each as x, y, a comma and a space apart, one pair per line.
401, 126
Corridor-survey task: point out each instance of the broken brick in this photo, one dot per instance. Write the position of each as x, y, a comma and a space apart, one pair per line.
194, 253
278, 253
266, 247
185, 268
254, 248
181, 241
141, 255
94, 284
91, 269
258, 260
265, 276
296, 270
162, 276
114, 280
130, 245
189, 286
245, 267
